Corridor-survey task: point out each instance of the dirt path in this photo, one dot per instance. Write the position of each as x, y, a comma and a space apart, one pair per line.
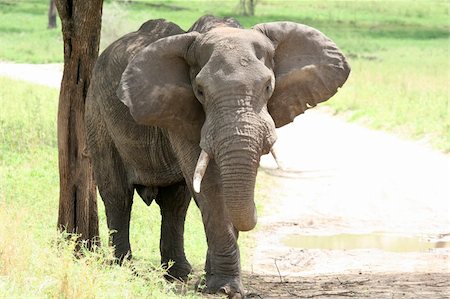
44, 74
343, 179
376, 286
349, 179
349, 189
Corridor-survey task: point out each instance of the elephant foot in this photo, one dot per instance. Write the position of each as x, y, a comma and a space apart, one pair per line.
178, 271
231, 286
122, 257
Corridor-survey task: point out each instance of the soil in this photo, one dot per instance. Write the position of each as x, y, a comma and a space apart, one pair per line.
377, 286
339, 179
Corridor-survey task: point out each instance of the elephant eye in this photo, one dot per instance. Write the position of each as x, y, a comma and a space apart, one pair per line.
269, 87
260, 57
200, 93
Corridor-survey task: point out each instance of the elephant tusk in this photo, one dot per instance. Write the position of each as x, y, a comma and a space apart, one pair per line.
275, 155
200, 170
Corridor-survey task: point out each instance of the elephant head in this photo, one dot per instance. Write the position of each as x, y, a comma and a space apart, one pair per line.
227, 90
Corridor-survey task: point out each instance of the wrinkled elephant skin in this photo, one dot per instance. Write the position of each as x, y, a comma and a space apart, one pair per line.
161, 97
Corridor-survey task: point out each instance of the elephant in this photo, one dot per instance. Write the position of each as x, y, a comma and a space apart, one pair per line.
172, 115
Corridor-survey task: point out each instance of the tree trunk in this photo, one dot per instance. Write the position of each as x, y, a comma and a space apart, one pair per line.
52, 15
247, 8
243, 7
81, 23
251, 7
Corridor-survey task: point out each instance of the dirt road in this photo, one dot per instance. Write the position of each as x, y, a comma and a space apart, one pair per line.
346, 179
44, 74
358, 213
344, 183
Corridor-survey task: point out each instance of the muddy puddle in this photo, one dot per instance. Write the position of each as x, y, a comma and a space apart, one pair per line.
385, 242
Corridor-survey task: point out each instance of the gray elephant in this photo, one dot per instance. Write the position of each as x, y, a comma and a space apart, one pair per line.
174, 114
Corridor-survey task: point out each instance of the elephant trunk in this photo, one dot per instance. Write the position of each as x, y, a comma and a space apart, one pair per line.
238, 163
235, 135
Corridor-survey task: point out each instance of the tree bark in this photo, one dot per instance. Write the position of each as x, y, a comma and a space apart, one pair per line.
247, 8
81, 23
52, 14
243, 7
251, 7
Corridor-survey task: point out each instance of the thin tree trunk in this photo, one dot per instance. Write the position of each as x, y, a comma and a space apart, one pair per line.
243, 7
81, 23
52, 15
251, 7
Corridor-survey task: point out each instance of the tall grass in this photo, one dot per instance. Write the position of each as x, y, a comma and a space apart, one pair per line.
30, 269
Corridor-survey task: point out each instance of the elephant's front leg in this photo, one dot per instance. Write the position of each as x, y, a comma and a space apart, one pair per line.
223, 270
174, 202
222, 267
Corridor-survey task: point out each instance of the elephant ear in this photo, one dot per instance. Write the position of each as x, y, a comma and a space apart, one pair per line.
156, 87
309, 68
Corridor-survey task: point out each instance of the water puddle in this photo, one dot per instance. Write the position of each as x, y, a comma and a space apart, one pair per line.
386, 242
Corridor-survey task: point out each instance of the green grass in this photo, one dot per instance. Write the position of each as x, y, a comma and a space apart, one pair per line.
23, 33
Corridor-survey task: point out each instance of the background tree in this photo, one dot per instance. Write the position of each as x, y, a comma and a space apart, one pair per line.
81, 23
247, 7
52, 14
251, 7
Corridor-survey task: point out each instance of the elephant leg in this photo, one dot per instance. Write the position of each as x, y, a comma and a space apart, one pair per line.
174, 201
118, 199
118, 204
222, 267
111, 179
